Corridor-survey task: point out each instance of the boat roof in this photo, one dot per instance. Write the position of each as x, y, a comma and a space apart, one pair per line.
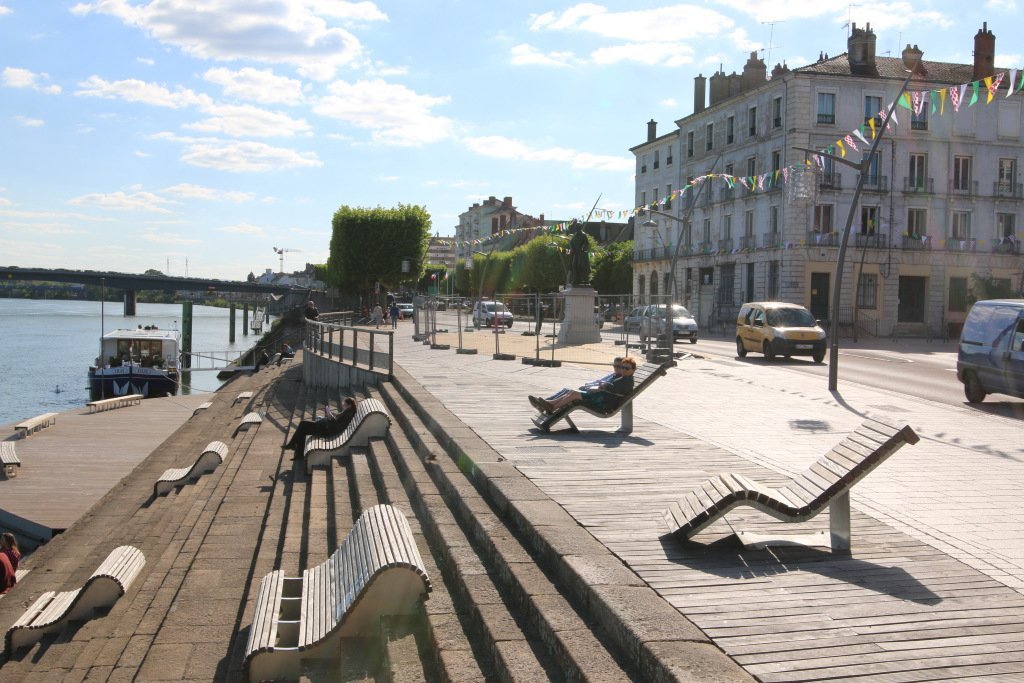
141, 333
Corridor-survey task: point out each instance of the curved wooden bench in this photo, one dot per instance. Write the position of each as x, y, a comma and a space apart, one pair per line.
248, 421
9, 459
377, 571
201, 406
34, 424
644, 376
115, 402
52, 610
371, 421
244, 396
211, 457
826, 483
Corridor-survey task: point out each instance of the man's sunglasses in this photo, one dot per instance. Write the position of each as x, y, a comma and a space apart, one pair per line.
625, 366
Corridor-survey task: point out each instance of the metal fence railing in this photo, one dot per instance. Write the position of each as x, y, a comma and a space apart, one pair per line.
370, 349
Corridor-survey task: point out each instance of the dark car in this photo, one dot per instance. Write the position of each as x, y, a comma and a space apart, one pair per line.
990, 359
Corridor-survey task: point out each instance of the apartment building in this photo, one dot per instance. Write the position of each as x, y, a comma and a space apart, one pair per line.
942, 200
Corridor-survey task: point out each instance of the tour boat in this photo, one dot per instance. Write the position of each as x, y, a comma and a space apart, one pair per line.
140, 361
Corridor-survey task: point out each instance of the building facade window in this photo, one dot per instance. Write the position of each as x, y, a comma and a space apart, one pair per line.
752, 122
1006, 225
707, 231
641, 284
643, 201
1007, 175
917, 223
868, 220
668, 196
958, 294
961, 227
867, 291
919, 119
730, 130
917, 171
773, 280
773, 219
668, 155
961, 173
827, 107
727, 226
776, 160
873, 109
751, 166
748, 226
777, 112
643, 163
823, 218
657, 158
689, 144
709, 137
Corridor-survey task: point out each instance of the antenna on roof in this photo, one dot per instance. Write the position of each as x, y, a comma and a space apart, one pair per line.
771, 37
849, 20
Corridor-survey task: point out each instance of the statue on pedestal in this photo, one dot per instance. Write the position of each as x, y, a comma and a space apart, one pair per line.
579, 255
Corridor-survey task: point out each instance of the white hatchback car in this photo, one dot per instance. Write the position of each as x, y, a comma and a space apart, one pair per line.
652, 323
491, 313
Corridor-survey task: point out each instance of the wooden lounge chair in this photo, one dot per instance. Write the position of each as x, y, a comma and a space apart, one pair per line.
826, 483
248, 421
211, 457
643, 377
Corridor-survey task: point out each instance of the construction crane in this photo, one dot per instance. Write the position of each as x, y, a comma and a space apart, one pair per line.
280, 252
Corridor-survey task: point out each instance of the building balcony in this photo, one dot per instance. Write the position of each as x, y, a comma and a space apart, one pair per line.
725, 245
918, 184
1008, 245
967, 188
822, 239
922, 243
1004, 190
653, 254
831, 181
870, 241
727, 193
771, 240
875, 183
967, 245
705, 247
748, 242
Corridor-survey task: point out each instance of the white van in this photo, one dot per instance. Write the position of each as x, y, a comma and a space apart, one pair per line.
491, 313
991, 355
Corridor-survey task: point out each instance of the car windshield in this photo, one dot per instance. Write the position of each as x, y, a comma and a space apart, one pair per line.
790, 317
490, 308
677, 311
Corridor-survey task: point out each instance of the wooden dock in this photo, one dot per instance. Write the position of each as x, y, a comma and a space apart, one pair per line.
68, 467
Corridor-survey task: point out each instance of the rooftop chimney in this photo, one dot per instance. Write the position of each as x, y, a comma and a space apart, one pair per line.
984, 53
755, 73
719, 87
860, 49
912, 59
699, 89
780, 70
652, 130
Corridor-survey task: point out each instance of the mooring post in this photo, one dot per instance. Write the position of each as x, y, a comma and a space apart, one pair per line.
231, 323
245, 320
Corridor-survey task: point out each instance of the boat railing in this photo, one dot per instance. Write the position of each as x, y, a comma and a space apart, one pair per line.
199, 361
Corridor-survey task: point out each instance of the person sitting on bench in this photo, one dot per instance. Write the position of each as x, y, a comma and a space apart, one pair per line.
602, 396
329, 425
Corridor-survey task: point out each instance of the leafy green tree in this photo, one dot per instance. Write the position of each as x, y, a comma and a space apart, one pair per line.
369, 246
541, 264
612, 269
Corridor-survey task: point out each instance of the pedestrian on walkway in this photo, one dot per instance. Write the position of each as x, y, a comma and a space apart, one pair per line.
378, 315
395, 314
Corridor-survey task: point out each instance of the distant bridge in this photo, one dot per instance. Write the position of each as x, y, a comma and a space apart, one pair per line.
132, 283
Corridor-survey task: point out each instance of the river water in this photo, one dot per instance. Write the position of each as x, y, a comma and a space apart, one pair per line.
47, 346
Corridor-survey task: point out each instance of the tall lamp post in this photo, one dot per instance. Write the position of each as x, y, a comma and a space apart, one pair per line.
862, 168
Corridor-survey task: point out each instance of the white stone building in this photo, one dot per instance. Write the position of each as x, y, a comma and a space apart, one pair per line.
942, 200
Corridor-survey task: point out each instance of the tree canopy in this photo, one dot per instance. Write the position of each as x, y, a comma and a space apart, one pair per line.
370, 245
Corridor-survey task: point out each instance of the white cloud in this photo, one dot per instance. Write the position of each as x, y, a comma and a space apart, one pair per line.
53, 215
142, 155
270, 31
767, 10
1010, 62
13, 77
256, 85
121, 201
500, 147
527, 55
997, 5
145, 60
5, 10
389, 178
4, 201
46, 228
248, 121
28, 122
395, 114
133, 90
894, 15
669, 24
168, 238
247, 157
378, 69
191, 191
242, 229
669, 102
652, 54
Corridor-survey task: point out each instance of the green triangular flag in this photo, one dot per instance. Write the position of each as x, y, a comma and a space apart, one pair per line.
974, 94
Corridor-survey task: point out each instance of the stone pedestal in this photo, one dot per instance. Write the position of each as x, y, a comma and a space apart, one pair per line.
579, 325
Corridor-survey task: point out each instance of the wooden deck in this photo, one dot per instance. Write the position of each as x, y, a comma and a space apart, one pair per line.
69, 466
895, 609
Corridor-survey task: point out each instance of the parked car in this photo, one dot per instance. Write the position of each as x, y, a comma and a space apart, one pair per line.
991, 355
777, 328
631, 322
485, 313
406, 310
598, 318
653, 321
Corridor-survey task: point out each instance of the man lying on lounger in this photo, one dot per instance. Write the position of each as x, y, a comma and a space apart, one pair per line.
602, 396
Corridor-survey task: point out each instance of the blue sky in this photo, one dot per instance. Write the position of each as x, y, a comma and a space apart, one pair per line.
203, 133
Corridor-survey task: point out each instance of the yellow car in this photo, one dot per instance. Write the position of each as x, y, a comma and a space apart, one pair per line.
776, 328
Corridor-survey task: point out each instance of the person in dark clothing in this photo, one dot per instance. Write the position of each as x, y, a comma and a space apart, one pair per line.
329, 425
312, 313
604, 395
286, 352
261, 359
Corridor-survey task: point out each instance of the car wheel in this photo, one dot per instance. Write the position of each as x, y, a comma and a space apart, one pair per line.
769, 354
693, 340
741, 350
508, 323
819, 356
973, 390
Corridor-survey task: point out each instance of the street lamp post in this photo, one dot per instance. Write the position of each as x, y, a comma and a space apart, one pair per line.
862, 168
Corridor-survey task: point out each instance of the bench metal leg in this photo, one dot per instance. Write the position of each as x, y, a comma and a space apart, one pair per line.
839, 521
627, 419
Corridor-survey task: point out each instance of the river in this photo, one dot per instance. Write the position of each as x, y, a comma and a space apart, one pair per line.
47, 346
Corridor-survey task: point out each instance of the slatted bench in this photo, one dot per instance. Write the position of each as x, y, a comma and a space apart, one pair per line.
201, 406
244, 396
371, 421
52, 610
826, 483
249, 420
211, 457
34, 424
377, 571
643, 377
115, 402
9, 459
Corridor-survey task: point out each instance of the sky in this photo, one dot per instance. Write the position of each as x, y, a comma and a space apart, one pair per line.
202, 137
